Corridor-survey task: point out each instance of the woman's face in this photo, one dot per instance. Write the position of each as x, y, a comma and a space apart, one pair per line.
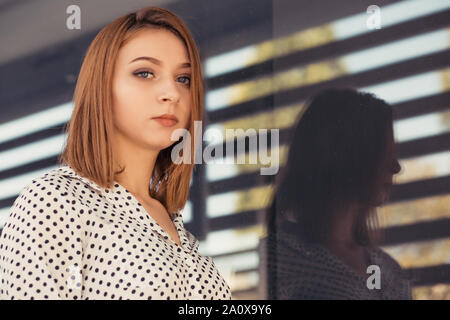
151, 78
389, 167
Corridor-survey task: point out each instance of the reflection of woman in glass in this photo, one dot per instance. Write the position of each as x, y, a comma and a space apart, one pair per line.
323, 224
107, 224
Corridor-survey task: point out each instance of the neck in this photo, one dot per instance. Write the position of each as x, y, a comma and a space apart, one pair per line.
341, 235
139, 163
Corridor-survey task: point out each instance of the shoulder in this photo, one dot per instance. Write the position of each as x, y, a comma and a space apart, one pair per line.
52, 179
52, 193
398, 280
383, 259
41, 188
62, 181
44, 206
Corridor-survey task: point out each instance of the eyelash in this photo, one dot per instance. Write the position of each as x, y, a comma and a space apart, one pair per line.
149, 72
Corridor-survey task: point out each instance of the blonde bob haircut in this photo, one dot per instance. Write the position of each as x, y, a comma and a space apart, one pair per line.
89, 146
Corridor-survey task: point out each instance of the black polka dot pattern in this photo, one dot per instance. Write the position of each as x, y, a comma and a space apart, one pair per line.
68, 238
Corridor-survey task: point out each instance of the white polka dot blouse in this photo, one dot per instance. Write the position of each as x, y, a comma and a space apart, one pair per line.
68, 238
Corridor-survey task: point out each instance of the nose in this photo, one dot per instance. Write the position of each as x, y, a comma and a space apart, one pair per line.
169, 93
396, 167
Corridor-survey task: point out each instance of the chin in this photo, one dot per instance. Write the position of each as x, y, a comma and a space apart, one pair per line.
383, 200
160, 141
159, 147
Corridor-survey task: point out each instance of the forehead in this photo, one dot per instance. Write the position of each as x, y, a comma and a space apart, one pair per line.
161, 44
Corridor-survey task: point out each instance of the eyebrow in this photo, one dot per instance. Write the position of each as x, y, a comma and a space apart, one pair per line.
159, 62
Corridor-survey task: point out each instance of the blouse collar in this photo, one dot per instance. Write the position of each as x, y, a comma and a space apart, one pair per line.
120, 192
66, 170
113, 193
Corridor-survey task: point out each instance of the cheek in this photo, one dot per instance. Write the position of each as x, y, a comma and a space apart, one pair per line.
129, 107
185, 112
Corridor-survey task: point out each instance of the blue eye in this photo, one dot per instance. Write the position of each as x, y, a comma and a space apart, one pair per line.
143, 74
186, 80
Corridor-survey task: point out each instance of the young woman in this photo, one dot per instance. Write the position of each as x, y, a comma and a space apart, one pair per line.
106, 224
323, 222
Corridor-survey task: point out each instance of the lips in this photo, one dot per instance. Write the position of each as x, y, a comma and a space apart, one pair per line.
166, 120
